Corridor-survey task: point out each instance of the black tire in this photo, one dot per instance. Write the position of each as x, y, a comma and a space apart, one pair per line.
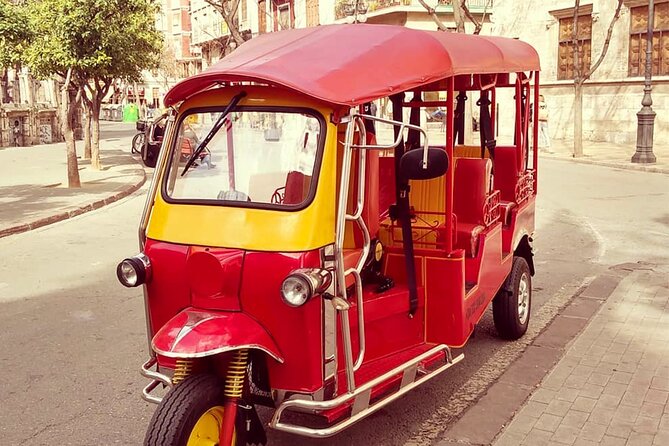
511, 319
150, 155
182, 407
137, 143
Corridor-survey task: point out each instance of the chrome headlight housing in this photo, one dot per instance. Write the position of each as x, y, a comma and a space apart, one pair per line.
303, 284
134, 271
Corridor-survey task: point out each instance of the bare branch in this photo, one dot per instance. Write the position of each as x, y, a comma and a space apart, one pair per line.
485, 11
470, 16
431, 11
606, 42
576, 46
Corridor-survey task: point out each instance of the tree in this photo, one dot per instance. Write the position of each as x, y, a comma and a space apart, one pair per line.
14, 37
582, 74
90, 43
460, 11
228, 10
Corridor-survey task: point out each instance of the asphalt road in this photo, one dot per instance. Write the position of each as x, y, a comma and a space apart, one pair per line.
72, 338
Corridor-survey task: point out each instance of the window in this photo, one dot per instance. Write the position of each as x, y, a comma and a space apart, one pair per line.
638, 31
284, 17
312, 13
566, 45
244, 12
255, 157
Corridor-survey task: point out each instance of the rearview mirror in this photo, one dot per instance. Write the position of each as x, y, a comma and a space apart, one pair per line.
411, 164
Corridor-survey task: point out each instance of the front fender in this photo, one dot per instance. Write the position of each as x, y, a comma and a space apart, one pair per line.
195, 334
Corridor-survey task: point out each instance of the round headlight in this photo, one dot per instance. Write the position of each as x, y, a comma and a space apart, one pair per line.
296, 290
133, 271
126, 273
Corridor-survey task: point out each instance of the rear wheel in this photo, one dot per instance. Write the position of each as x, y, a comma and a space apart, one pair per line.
512, 304
191, 414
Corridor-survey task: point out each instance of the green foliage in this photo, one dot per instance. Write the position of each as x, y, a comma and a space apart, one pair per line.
99, 39
14, 35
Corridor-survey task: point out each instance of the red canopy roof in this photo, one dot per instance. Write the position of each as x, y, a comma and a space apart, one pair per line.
353, 64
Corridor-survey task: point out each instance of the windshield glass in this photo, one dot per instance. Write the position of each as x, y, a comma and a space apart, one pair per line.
266, 157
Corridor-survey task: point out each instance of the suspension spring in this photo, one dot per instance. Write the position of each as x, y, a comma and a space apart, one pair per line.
234, 384
184, 367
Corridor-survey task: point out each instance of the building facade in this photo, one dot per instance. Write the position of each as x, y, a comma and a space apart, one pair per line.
612, 96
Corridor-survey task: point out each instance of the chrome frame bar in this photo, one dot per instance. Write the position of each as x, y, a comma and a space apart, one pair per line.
360, 406
146, 213
156, 378
356, 122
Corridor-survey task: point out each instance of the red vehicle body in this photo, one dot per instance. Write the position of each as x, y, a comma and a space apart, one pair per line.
400, 247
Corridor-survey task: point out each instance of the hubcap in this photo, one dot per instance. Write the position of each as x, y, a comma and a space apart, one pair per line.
523, 298
206, 431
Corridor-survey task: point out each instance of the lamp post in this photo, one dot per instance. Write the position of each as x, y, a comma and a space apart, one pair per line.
646, 116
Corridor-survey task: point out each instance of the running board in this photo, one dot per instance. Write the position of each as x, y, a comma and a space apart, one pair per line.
360, 397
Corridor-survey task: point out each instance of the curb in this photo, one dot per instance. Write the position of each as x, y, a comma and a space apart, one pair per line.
64, 215
482, 423
630, 166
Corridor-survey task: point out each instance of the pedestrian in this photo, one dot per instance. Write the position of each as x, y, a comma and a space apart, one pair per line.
16, 131
544, 139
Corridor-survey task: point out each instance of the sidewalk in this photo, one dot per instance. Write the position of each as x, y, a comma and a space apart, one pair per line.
610, 155
33, 184
607, 386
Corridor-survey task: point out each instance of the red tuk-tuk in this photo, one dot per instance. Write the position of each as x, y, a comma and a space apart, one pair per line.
321, 270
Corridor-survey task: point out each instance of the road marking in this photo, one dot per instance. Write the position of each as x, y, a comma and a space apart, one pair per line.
489, 372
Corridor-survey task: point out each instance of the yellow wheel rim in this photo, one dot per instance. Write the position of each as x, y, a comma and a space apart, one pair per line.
208, 428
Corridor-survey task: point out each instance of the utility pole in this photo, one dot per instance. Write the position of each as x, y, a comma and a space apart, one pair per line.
646, 116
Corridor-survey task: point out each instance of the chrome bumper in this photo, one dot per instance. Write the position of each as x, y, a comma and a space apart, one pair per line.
156, 378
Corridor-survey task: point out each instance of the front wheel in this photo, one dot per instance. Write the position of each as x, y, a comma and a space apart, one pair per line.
137, 143
191, 414
511, 306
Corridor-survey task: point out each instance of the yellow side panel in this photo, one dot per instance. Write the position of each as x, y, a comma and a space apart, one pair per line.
254, 229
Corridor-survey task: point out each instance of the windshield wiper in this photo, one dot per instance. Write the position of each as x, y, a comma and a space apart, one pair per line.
217, 126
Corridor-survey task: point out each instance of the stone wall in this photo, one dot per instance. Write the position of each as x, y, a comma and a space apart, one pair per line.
611, 98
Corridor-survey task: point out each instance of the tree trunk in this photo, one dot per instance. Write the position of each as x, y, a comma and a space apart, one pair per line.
3, 86
67, 110
87, 131
578, 120
95, 132
458, 16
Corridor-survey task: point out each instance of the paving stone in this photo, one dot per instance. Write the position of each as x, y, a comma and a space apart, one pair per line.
509, 439
646, 425
521, 425
608, 402
651, 410
615, 389
612, 441
537, 437
583, 442
548, 422
565, 435
566, 394
637, 439
660, 383
592, 431
599, 379
559, 408
634, 396
575, 419
543, 395
626, 414
591, 390
619, 429
621, 377
601, 416
656, 396
584, 404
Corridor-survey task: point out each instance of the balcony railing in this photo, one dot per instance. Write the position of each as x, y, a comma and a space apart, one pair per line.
346, 8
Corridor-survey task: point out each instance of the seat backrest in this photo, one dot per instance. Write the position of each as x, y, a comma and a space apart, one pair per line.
506, 172
469, 152
471, 186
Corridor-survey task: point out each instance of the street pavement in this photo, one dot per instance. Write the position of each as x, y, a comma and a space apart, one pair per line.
33, 184
615, 317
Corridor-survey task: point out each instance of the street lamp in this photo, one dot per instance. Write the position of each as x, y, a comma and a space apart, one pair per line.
646, 116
